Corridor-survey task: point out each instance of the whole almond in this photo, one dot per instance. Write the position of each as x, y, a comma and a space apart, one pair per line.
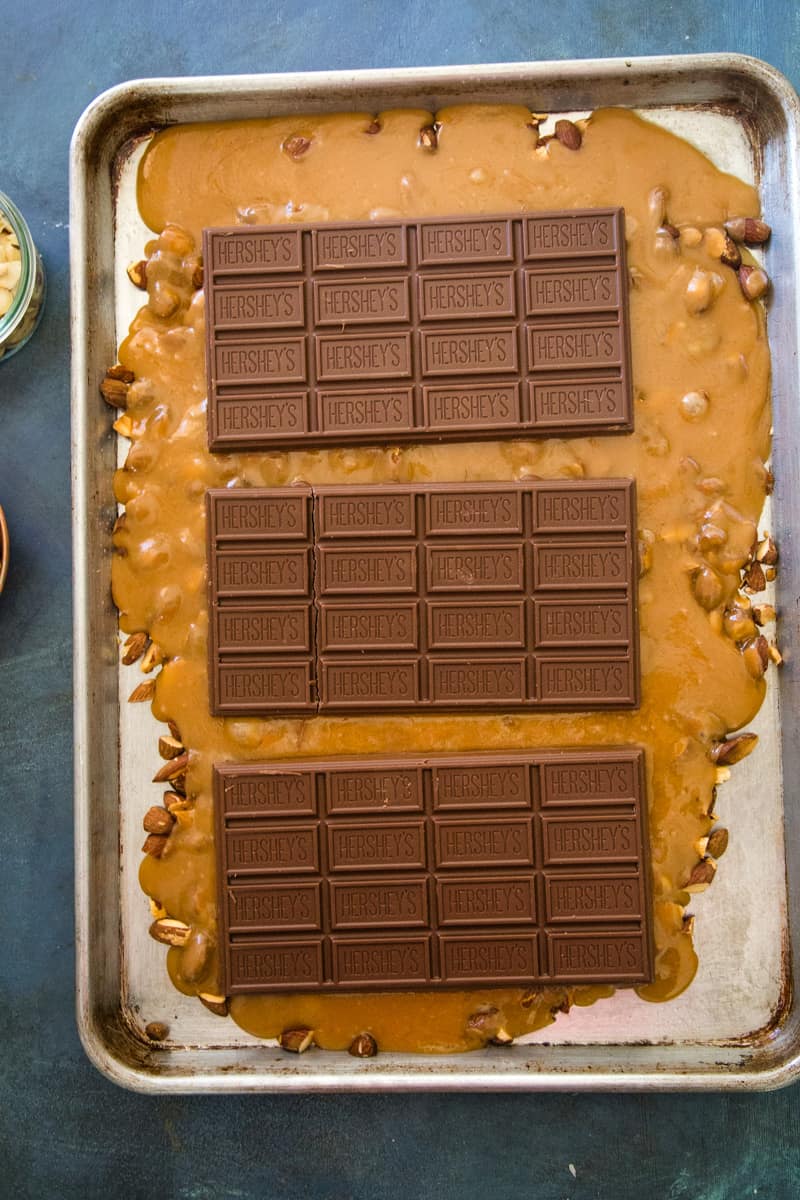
145, 691
172, 769
134, 648
158, 820
755, 653
296, 146
154, 845
753, 281
170, 931
734, 749
194, 959
568, 133
717, 842
701, 875
750, 230
114, 391
753, 579
363, 1046
707, 588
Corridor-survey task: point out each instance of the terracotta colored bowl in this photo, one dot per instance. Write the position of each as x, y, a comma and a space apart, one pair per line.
4, 549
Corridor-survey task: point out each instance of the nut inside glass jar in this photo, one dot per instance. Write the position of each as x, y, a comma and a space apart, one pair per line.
22, 280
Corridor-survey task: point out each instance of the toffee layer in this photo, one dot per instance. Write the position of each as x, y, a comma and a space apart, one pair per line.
700, 474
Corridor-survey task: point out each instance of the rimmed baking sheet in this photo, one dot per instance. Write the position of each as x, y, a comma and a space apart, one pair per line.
736, 1025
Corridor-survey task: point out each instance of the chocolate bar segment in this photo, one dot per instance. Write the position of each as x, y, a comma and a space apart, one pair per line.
462, 328
401, 597
379, 873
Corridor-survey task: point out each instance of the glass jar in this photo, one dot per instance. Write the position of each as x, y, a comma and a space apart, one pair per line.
19, 321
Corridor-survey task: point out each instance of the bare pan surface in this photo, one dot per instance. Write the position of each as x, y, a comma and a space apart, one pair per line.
713, 1034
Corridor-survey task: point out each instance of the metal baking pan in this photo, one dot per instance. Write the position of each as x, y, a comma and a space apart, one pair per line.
738, 1025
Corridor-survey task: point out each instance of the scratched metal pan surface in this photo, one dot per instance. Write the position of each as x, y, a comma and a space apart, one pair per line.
738, 1025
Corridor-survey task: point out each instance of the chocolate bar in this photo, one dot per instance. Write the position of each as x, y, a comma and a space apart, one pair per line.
463, 328
405, 597
510, 868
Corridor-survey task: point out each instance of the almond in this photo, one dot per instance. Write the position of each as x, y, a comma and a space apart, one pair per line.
156, 1031
701, 876
158, 820
153, 658
124, 426
717, 842
753, 281
215, 1004
707, 588
296, 146
756, 655
484, 1022
114, 391
121, 373
750, 230
568, 133
154, 845
137, 273
753, 578
429, 137
731, 254
734, 749
169, 747
296, 1040
135, 647
767, 552
145, 691
763, 614
170, 931
172, 769
363, 1046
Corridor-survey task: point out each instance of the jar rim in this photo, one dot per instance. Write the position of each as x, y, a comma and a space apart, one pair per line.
27, 281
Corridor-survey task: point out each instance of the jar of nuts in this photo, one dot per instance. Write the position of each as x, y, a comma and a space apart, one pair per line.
22, 284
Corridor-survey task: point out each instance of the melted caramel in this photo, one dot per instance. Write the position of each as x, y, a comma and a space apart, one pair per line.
699, 467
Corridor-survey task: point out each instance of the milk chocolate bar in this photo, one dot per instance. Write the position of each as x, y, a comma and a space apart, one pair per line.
511, 868
405, 597
406, 331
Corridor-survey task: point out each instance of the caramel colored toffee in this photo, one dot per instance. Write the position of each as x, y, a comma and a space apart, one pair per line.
406, 597
441, 871
698, 465
413, 331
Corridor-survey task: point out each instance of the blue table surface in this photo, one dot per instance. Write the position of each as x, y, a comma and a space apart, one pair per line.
65, 1131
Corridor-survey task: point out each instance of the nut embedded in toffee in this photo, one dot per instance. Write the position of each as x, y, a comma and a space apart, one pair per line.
363, 1046
296, 1040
